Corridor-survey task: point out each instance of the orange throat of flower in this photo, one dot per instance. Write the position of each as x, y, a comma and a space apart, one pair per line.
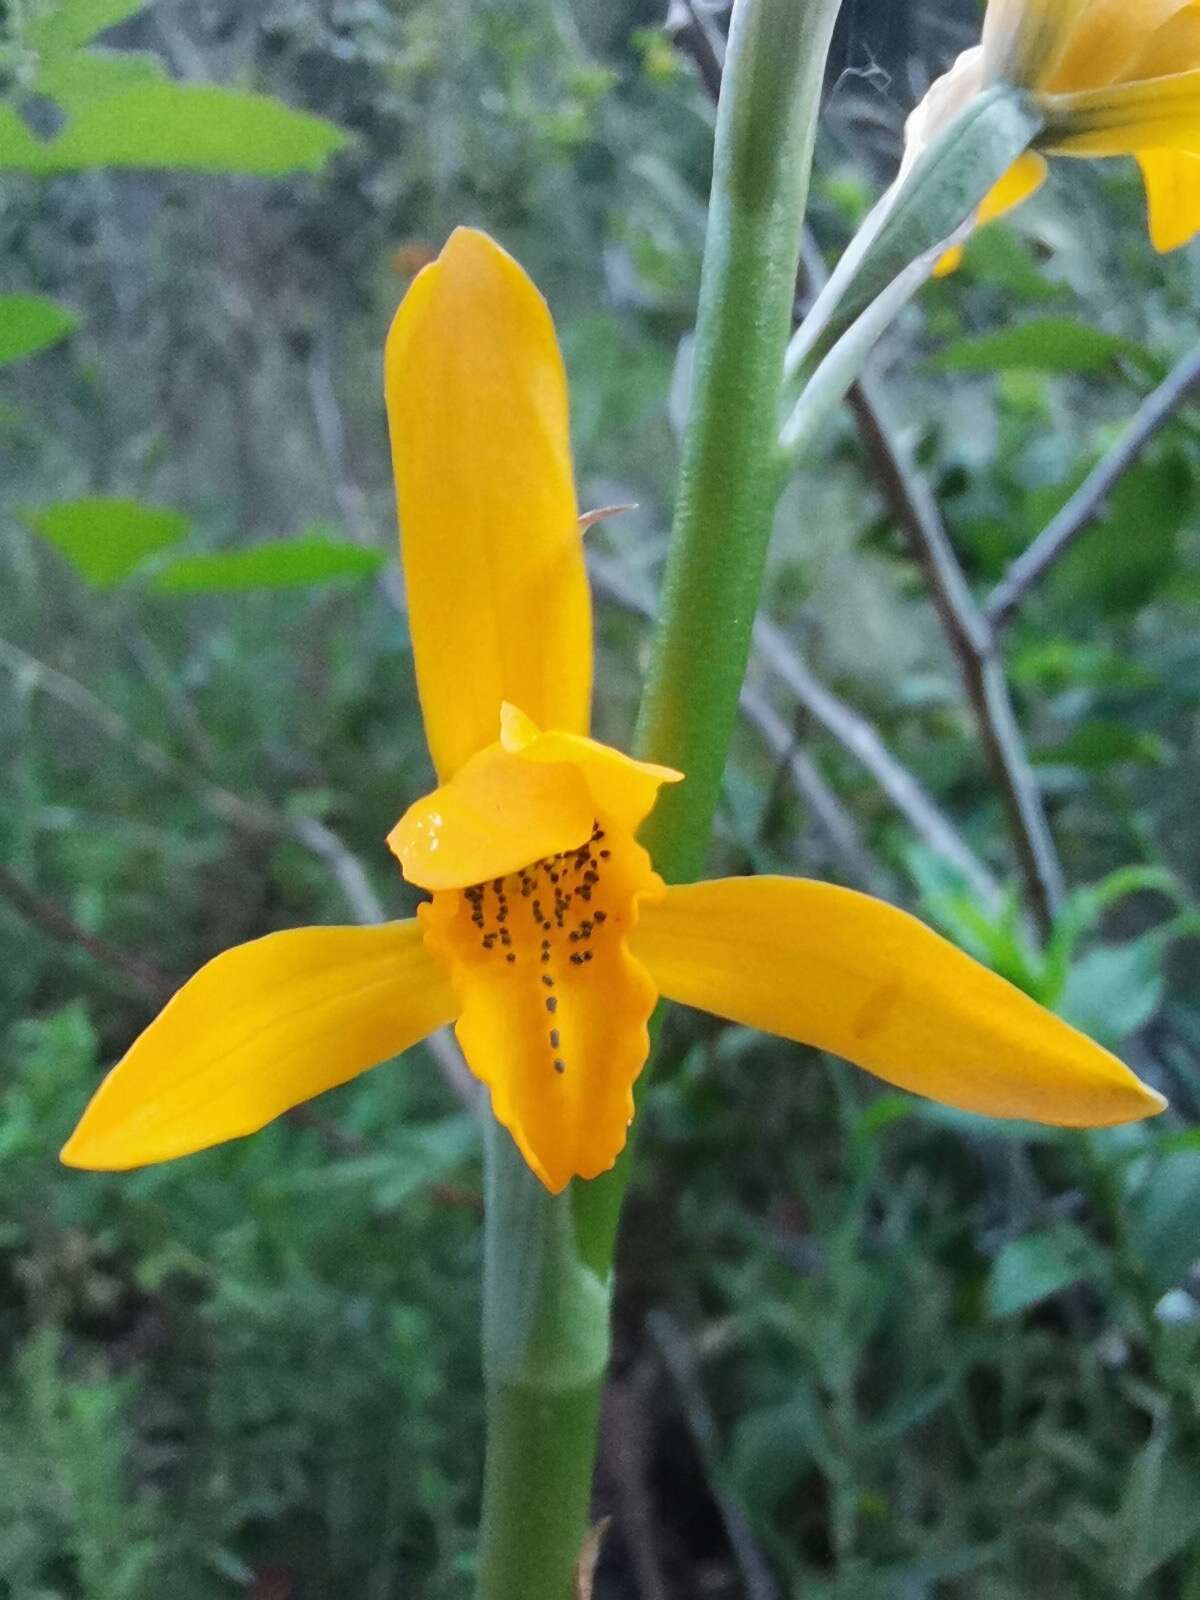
554, 1008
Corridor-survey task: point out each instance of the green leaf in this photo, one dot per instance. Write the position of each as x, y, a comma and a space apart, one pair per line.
104, 540
74, 22
1084, 910
1165, 1234
1044, 344
194, 127
1116, 988
774, 1447
77, 80
282, 564
415, 1158
1159, 1513
997, 255
19, 150
1124, 562
1030, 1270
30, 322
1100, 743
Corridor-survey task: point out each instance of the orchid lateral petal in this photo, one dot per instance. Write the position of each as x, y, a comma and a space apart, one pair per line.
496, 815
848, 974
498, 600
257, 1031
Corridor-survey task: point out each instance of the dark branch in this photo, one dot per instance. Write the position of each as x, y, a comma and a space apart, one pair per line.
138, 975
1089, 500
697, 37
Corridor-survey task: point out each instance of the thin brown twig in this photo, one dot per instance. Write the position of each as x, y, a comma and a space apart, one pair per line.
839, 827
1089, 500
854, 732
698, 38
967, 629
862, 739
625, 1445
678, 1359
973, 641
141, 976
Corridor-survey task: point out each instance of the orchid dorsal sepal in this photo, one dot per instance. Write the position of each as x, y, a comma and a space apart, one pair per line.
932, 202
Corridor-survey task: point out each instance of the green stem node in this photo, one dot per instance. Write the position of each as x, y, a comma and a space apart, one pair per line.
545, 1348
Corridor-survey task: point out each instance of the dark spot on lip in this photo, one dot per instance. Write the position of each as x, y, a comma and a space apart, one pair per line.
552, 1005
560, 1066
554, 1038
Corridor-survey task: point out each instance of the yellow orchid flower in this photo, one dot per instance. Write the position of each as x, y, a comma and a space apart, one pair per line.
1110, 77
548, 937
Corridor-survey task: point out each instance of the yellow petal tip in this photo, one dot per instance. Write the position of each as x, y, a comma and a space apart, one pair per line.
465, 242
517, 731
88, 1151
70, 1155
1132, 1101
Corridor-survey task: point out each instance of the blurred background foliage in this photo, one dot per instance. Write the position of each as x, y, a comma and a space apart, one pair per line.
865, 1347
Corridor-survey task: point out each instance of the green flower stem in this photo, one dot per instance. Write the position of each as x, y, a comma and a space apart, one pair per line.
729, 482
730, 478
549, 1258
545, 1348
